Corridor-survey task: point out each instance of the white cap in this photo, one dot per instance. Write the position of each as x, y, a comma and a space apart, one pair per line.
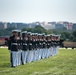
24, 32
28, 32
52, 34
32, 33
16, 30
57, 36
39, 34
48, 35
35, 33
43, 33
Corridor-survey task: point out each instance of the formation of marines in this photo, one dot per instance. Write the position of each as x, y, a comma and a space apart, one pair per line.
26, 47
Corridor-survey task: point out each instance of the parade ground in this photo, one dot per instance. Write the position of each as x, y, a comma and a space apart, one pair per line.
64, 63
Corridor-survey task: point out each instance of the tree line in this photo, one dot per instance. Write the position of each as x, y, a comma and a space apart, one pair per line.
67, 35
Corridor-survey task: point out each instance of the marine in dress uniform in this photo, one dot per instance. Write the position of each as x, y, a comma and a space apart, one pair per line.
24, 47
43, 45
57, 41
35, 47
48, 53
52, 44
29, 56
14, 47
39, 45
19, 47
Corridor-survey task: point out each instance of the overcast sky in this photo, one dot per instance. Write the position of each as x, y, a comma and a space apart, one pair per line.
37, 10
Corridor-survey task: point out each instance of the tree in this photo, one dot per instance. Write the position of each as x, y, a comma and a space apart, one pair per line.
71, 37
37, 29
49, 31
66, 35
74, 33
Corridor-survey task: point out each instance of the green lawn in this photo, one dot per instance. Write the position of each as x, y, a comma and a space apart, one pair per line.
62, 64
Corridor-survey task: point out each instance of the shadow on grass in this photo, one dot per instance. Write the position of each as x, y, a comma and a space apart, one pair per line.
5, 65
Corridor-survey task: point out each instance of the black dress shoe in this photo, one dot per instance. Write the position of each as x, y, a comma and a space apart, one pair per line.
22, 63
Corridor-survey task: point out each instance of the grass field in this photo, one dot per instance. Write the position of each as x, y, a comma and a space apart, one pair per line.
62, 64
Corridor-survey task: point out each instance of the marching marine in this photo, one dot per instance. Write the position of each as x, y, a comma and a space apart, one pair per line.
14, 46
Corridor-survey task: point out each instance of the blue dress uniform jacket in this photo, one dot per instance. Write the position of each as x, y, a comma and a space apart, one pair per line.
33, 44
30, 44
36, 44
44, 44
48, 44
14, 44
25, 45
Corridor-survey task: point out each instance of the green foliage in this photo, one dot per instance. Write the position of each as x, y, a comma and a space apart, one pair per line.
74, 33
62, 64
65, 34
28, 29
49, 31
6, 32
59, 31
37, 29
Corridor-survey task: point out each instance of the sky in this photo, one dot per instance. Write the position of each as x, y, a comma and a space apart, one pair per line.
37, 10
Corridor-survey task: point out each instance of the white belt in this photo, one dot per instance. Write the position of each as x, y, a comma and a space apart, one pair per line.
30, 44
44, 43
14, 43
40, 43
48, 44
18, 44
24, 44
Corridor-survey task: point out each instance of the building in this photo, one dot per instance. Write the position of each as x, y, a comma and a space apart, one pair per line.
21, 25
5, 25
59, 26
34, 24
70, 25
1, 25
74, 26
66, 25
53, 23
17, 25
11, 25
48, 25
